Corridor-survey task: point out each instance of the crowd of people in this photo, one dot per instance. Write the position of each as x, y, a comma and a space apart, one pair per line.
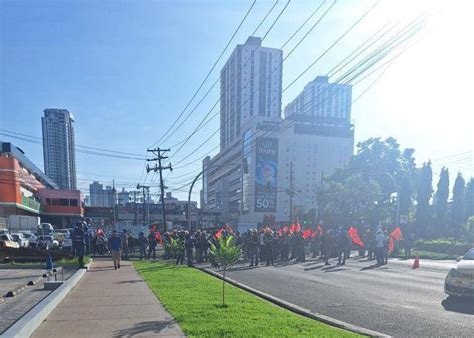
259, 246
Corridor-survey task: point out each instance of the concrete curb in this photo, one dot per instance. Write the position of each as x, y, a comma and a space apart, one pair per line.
27, 324
297, 309
20, 289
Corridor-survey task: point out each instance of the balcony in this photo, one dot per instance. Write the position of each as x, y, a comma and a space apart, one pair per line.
30, 203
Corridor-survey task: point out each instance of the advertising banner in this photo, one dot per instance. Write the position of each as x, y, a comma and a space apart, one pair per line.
266, 172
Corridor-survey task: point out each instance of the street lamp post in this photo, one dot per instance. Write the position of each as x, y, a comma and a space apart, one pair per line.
189, 199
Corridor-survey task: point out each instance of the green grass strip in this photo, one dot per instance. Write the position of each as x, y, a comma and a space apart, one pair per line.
194, 299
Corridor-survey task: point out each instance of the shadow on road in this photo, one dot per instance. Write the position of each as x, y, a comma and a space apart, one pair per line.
144, 328
131, 281
458, 304
242, 268
314, 267
370, 267
335, 270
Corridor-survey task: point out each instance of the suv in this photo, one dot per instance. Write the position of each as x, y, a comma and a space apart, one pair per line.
460, 280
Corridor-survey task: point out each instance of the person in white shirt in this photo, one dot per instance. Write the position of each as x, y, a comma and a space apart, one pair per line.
379, 245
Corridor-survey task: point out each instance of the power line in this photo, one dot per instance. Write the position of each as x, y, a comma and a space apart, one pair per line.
83, 151
208, 73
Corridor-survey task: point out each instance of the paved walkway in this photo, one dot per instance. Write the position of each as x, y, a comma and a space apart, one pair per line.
108, 302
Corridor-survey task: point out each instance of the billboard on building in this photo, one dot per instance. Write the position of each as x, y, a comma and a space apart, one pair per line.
266, 172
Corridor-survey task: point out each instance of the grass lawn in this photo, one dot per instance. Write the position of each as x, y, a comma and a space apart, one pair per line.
194, 298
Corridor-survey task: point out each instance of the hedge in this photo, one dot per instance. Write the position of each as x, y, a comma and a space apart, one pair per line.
443, 245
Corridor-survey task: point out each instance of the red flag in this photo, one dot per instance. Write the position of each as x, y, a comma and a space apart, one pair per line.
320, 229
286, 229
295, 227
153, 228
307, 233
219, 233
391, 244
397, 234
354, 235
158, 237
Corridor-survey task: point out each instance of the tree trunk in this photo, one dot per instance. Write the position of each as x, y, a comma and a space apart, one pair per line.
223, 289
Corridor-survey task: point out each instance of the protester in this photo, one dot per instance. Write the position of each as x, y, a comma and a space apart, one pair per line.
343, 245
115, 243
189, 244
327, 243
254, 245
78, 239
180, 249
268, 245
379, 247
125, 238
142, 244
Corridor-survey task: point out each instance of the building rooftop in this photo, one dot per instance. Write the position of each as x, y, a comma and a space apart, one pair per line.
11, 150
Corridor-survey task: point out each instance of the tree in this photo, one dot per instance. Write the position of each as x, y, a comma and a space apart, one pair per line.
458, 204
441, 199
374, 157
469, 200
381, 160
406, 193
424, 191
226, 254
353, 199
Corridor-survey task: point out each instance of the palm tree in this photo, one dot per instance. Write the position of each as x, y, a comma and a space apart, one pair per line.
226, 254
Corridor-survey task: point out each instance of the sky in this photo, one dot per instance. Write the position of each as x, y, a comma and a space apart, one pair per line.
126, 69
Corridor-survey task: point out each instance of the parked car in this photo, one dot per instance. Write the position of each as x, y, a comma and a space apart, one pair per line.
46, 228
31, 238
460, 280
67, 244
47, 242
6, 240
61, 234
21, 239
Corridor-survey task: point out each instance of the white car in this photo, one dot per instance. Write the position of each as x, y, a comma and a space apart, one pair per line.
21, 239
31, 238
47, 241
460, 280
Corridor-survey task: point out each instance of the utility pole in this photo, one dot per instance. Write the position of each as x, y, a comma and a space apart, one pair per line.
321, 187
115, 201
291, 192
136, 210
159, 153
147, 188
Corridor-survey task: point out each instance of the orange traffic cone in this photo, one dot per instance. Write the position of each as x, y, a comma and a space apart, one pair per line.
416, 263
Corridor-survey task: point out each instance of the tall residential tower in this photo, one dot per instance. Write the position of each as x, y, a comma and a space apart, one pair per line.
58, 147
250, 86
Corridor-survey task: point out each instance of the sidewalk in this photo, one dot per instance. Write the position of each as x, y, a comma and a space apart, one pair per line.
107, 303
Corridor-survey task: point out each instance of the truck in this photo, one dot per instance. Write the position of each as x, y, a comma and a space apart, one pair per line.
19, 223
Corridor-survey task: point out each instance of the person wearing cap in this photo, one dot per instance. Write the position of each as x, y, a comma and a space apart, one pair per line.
115, 243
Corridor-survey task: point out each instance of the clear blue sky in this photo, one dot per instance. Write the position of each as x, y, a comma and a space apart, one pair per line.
126, 69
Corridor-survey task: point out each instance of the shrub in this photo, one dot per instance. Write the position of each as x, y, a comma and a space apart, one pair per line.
443, 245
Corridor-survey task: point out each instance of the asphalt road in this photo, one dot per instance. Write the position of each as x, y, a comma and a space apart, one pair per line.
392, 299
